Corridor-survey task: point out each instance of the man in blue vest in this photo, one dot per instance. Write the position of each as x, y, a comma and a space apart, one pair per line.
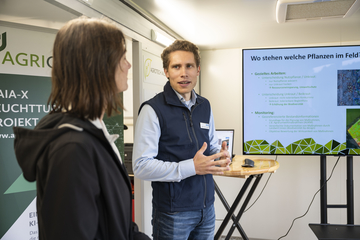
175, 147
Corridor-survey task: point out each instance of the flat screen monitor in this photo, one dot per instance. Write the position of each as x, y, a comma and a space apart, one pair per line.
226, 135
303, 100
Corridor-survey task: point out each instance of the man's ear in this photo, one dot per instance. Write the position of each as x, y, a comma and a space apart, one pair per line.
198, 70
166, 73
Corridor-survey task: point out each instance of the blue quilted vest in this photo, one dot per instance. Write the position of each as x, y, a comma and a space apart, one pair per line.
181, 137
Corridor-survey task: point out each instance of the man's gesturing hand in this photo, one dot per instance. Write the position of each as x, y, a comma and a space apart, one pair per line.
224, 150
207, 165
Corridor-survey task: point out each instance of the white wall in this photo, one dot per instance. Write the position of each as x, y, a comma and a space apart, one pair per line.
289, 190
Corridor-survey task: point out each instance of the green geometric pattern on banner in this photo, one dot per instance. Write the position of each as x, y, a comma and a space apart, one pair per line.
21, 185
302, 146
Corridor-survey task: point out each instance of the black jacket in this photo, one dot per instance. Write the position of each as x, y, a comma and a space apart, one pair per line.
83, 190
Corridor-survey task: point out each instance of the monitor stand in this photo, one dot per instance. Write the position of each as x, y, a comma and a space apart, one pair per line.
326, 231
335, 232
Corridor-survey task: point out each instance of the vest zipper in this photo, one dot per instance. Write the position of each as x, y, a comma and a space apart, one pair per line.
197, 144
187, 127
193, 130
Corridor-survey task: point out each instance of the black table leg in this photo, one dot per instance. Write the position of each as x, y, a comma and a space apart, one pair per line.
242, 209
226, 205
233, 207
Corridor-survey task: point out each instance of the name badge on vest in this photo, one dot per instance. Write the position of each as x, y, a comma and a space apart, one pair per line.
204, 125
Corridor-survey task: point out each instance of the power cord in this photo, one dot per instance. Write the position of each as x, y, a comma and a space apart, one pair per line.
261, 190
311, 200
260, 193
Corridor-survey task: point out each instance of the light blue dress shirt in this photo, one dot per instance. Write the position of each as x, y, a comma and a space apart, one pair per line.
145, 149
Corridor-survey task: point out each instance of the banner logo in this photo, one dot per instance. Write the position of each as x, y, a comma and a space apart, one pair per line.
24, 59
152, 70
3, 41
147, 67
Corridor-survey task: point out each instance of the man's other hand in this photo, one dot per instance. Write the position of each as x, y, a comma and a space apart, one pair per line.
208, 165
224, 149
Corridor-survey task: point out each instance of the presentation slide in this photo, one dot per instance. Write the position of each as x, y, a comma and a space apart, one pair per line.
301, 100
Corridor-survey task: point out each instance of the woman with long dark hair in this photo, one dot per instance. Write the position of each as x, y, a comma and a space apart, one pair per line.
83, 188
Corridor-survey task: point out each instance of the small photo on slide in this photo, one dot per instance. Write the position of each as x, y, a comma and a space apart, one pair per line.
353, 128
348, 87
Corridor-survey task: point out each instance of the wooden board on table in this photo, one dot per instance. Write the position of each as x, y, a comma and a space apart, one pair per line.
261, 165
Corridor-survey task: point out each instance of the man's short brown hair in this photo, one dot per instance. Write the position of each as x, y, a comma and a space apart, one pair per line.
180, 45
85, 56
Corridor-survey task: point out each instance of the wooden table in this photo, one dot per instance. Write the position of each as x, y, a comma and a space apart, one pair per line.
261, 166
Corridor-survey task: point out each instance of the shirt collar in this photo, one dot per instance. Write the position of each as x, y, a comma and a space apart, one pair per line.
101, 125
190, 103
110, 137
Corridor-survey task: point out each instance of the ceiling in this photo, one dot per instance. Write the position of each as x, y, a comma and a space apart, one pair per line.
220, 24
212, 24
34, 12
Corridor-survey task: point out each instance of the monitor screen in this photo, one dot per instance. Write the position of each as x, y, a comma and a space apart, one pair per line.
301, 100
226, 135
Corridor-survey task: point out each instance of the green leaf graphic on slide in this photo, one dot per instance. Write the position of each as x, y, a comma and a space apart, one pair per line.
302, 146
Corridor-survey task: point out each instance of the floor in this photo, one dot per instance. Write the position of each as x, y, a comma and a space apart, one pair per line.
231, 238
238, 238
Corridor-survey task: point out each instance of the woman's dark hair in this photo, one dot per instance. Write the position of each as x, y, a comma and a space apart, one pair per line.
85, 56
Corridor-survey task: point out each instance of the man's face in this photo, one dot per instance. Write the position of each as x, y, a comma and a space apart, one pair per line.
182, 72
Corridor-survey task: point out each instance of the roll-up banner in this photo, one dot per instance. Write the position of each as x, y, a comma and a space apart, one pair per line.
25, 84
